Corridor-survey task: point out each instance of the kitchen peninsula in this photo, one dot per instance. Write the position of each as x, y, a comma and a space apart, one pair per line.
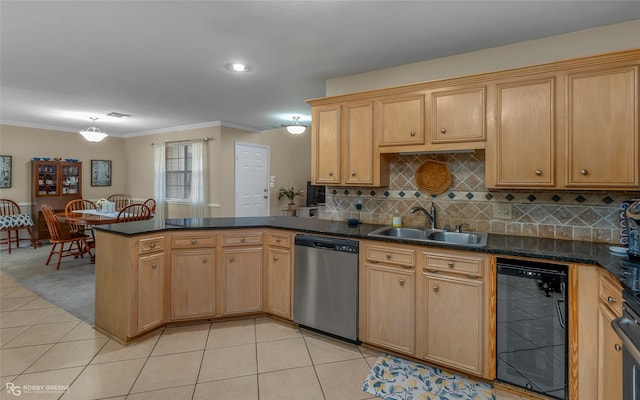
152, 273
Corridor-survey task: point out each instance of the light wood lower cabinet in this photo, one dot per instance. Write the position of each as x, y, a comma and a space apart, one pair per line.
130, 288
279, 275
151, 279
241, 272
609, 344
388, 297
192, 283
452, 315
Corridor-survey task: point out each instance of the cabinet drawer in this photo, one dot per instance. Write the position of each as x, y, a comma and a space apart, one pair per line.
611, 295
390, 255
189, 241
150, 245
279, 239
235, 239
454, 263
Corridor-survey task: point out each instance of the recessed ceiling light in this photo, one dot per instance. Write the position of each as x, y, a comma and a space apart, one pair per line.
238, 67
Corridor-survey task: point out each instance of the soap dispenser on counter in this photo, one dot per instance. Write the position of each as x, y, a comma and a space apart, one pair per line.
396, 221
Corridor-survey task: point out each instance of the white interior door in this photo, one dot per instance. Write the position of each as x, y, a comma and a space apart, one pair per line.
252, 180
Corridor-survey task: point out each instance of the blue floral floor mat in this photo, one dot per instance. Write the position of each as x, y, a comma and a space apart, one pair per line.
394, 378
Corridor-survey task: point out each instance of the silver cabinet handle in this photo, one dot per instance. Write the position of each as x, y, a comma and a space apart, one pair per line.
330, 173
583, 172
242, 240
388, 256
277, 240
153, 245
353, 173
443, 130
231, 259
412, 133
154, 266
450, 264
611, 299
401, 281
538, 172
204, 260
617, 347
193, 241
275, 258
436, 288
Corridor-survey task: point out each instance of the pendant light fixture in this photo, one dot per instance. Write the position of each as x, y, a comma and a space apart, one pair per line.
296, 128
93, 133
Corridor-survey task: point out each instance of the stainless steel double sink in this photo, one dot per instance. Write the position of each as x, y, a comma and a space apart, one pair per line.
475, 239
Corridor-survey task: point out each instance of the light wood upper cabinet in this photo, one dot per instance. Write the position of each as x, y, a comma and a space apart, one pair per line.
401, 120
325, 145
358, 144
458, 115
343, 150
522, 151
602, 128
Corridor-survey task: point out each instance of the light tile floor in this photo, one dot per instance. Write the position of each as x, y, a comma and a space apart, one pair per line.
250, 359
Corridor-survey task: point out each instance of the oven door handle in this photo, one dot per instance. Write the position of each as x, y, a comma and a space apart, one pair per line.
629, 332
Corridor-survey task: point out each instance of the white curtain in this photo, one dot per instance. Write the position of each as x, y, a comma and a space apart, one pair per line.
159, 181
199, 203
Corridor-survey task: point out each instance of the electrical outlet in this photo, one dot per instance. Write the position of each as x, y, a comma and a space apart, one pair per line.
359, 203
502, 210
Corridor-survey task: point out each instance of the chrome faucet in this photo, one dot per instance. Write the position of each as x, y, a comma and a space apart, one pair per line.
431, 216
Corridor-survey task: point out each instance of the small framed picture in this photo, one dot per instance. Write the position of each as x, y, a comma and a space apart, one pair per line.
5, 171
100, 172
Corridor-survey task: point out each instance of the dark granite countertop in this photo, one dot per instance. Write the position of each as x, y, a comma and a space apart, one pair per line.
500, 245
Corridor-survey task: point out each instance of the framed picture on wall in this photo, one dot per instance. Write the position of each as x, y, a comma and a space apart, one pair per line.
100, 172
5, 171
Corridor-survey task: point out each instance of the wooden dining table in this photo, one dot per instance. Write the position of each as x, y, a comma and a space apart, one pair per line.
87, 217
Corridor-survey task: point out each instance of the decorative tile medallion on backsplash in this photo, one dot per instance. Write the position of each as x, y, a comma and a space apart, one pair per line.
586, 216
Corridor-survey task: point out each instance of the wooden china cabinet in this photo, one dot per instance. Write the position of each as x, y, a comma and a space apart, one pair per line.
54, 183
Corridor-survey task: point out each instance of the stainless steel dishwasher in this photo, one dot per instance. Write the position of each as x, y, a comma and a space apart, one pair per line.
325, 285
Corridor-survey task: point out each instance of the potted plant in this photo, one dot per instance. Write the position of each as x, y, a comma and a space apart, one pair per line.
290, 193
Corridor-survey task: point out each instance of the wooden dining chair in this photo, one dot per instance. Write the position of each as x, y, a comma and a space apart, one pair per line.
151, 203
13, 220
120, 200
81, 204
134, 212
61, 237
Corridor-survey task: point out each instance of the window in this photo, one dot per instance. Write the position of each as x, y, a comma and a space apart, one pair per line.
178, 171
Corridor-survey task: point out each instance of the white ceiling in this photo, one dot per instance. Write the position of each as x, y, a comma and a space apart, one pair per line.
62, 62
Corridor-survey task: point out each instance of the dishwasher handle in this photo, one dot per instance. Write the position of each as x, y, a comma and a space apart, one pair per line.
325, 243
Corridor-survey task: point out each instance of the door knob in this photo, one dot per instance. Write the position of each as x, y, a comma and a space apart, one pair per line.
583, 172
443, 130
401, 281
538, 172
436, 288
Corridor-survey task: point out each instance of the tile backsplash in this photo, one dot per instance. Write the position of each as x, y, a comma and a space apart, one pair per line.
587, 216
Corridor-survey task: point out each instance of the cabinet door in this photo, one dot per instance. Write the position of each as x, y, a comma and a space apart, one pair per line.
279, 282
150, 307
524, 151
242, 280
390, 307
46, 178
325, 145
458, 115
192, 283
402, 120
451, 320
610, 356
358, 144
602, 128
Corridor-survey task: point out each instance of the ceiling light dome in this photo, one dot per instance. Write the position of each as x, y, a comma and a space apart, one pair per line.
93, 133
296, 128
238, 67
